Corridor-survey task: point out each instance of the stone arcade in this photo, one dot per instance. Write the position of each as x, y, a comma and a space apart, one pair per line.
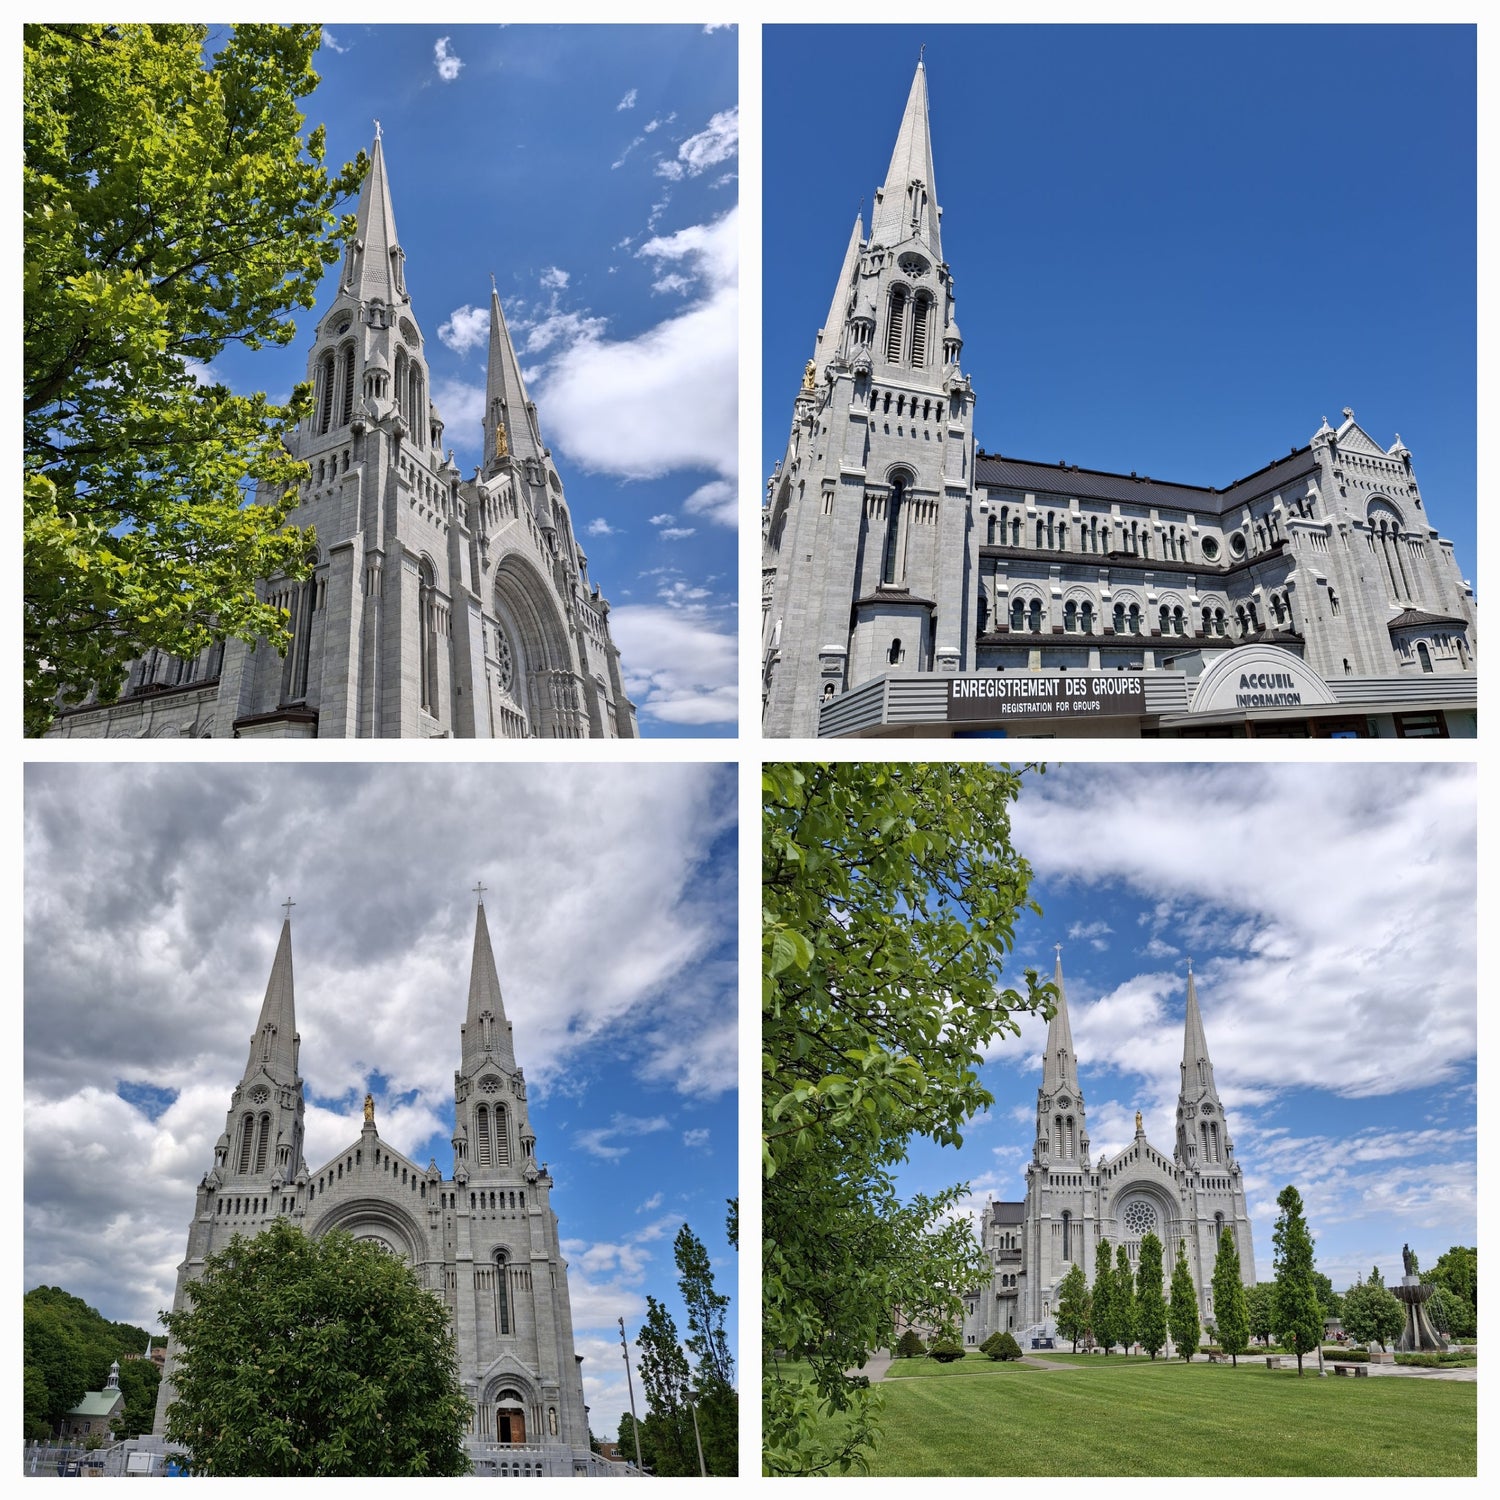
437, 606
483, 1239
896, 556
1073, 1202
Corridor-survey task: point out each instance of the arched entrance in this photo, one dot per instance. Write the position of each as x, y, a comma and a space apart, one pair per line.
534, 687
510, 1417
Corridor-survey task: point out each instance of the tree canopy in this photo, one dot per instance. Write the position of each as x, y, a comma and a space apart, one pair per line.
68, 1348
1231, 1310
1074, 1307
890, 894
172, 206
1456, 1271
1150, 1300
315, 1357
1372, 1312
1182, 1311
1102, 1298
1297, 1312
1123, 1296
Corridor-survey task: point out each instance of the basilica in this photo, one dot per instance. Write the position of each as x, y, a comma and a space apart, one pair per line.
1189, 1195
437, 606
913, 584
483, 1238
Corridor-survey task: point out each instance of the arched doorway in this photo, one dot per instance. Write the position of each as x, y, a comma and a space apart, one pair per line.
510, 1417
534, 687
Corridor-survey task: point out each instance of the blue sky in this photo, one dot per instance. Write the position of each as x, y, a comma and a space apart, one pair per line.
1330, 916
594, 172
153, 898
1175, 249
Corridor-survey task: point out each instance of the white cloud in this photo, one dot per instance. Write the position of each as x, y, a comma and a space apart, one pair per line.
665, 399
714, 500
554, 277
448, 62
694, 1138
665, 518
677, 533
466, 328
330, 43
628, 102
672, 282
654, 1201
680, 666
600, 527
603, 1140
653, 125
716, 142
565, 328
461, 406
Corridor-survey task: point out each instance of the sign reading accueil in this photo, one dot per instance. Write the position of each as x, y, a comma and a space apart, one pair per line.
1073, 695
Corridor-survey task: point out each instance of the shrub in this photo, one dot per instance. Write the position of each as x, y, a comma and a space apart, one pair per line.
910, 1345
989, 1343
1003, 1346
1354, 1356
945, 1350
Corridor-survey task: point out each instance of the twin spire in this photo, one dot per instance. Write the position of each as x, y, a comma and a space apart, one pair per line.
906, 205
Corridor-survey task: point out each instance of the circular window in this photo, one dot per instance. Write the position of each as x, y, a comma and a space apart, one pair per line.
259, 1094
489, 1084
1210, 548
1237, 544
1139, 1217
409, 335
1064, 1101
913, 265
1208, 1109
343, 324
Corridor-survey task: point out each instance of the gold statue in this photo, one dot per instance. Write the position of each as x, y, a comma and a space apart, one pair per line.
1137, 1119
370, 1110
502, 443
808, 386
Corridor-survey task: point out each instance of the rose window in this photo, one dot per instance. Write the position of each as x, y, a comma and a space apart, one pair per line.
259, 1094
1140, 1217
505, 667
489, 1084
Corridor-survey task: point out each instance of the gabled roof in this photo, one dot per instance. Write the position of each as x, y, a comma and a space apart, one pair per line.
98, 1403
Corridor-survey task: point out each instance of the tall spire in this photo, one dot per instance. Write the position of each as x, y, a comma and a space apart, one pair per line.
274, 1045
831, 334
1060, 1068
1202, 1131
509, 417
377, 273
906, 205
1195, 1046
486, 1029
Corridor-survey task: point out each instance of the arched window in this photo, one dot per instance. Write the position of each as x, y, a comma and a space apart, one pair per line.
427, 629
1070, 617
247, 1141
325, 391
263, 1143
1179, 621
1135, 619
895, 331
1067, 1235
1018, 614
502, 1137
502, 1293
483, 1153
890, 566
921, 317
1424, 656
1119, 618
1086, 617
1036, 616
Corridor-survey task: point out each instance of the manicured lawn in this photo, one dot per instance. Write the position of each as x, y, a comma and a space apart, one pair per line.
1089, 1415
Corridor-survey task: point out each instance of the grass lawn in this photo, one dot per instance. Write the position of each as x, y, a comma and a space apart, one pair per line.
1130, 1415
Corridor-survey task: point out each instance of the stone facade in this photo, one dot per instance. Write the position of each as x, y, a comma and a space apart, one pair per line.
892, 546
1072, 1203
437, 606
483, 1238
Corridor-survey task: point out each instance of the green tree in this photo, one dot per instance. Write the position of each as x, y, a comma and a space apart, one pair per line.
1073, 1305
1182, 1312
708, 1341
1297, 1312
1150, 1302
1456, 1270
1103, 1298
667, 1442
1372, 1312
1004, 1346
1123, 1299
889, 898
139, 1379
1328, 1299
628, 1438
1260, 1304
910, 1345
1231, 1309
299, 1357
171, 206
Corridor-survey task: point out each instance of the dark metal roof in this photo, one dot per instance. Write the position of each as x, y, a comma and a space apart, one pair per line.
1410, 617
1007, 1213
1098, 484
887, 595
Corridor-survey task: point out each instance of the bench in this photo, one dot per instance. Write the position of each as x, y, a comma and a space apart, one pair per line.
1351, 1369
1273, 1361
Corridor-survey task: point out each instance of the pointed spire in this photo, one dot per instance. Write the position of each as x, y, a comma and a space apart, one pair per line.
505, 399
485, 999
378, 274
1194, 1043
832, 333
907, 202
274, 1046
1060, 1068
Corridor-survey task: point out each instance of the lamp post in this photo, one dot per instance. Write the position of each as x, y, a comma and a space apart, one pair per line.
692, 1401
635, 1425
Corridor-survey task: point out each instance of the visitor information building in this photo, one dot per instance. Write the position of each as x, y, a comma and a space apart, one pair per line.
913, 584
483, 1237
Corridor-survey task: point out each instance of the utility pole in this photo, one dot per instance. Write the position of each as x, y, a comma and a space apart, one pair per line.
635, 1424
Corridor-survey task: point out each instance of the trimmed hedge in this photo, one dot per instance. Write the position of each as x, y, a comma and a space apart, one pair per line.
945, 1351
1003, 1346
910, 1345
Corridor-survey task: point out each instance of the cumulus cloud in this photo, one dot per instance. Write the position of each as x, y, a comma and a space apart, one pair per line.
600, 527
716, 142
448, 62
628, 102
681, 665
466, 328
663, 518
715, 501
666, 399
554, 277
461, 405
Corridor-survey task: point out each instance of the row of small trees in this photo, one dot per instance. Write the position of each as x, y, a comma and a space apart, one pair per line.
1126, 1306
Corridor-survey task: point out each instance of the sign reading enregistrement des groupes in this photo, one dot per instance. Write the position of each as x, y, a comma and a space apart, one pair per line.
1073, 695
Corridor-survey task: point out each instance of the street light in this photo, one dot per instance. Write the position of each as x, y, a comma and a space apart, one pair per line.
635, 1425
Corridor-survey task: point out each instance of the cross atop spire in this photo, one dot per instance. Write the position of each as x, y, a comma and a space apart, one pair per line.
377, 130
479, 891
287, 906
